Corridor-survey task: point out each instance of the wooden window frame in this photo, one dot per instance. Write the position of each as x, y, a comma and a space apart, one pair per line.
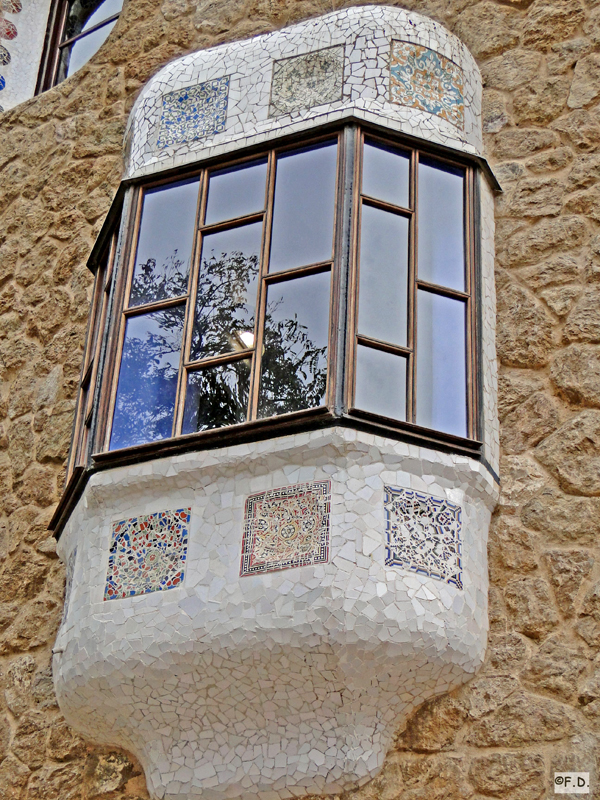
343, 339
468, 296
54, 43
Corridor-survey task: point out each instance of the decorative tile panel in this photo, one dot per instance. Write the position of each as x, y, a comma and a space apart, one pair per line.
147, 554
421, 78
193, 113
312, 79
287, 527
423, 534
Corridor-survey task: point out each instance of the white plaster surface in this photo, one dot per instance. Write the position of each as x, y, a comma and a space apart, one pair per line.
276, 684
25, 52
364, 32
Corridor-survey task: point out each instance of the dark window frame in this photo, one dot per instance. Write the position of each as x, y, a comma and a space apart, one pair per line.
55, 42
92, 455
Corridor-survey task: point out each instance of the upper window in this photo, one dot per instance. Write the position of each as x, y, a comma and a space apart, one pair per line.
242, 301
77, 29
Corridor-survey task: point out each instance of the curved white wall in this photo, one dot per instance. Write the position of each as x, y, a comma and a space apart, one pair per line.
291, 681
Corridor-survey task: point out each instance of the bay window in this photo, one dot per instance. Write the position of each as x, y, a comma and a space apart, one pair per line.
331, 279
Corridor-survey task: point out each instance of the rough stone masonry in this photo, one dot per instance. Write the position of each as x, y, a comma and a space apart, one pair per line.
535, 706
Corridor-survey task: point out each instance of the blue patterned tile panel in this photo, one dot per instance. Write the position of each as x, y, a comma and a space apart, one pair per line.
193, 113
423, 79
147, 554
423, 534
308, 80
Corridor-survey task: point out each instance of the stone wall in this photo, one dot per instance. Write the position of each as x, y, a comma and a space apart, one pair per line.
535, 705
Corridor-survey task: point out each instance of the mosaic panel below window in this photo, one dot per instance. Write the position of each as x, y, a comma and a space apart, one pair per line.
423, 534
287, 527
308, 80
421, 78
193, 113
147, 554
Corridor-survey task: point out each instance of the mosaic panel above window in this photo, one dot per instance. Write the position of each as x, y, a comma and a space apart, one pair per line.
193, 113
287, 527
147, 554
421, 78
423, 534
308, 80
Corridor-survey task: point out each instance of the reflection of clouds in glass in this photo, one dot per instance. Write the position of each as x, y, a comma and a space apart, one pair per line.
83, 49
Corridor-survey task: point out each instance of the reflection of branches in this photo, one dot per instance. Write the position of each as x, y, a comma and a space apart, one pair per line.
225, 303
150, 285
293, 373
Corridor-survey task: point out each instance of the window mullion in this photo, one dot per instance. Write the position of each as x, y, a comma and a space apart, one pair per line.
188, 325
261, 303
412, 289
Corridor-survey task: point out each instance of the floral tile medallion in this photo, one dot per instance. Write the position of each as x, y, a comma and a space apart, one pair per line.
423, 79
193, 113
423, 534
287, 527
308, 80
147, 554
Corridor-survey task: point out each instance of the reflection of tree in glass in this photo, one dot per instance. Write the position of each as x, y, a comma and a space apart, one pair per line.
148, 378
150, 285
225, 304
294, 370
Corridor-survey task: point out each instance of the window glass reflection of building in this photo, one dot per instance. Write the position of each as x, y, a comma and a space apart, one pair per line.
77, 30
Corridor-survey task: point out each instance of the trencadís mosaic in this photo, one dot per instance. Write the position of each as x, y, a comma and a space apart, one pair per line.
147, 554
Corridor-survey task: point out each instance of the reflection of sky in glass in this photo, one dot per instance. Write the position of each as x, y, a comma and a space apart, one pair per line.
227, 288
385, 175
441, 231
303, 208
166, 237
148, 378
217, 396
383, 276
83, 49
380, 383
441, 364
294, 366
236, 191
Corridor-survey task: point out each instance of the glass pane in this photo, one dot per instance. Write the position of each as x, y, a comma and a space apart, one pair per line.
304, 207
83, 49
84, 14
165, 243
148, 378
294, 365
382, 309
227, 287
217, 396
441, 363
380, 383
385, 174
236, 191
441, 224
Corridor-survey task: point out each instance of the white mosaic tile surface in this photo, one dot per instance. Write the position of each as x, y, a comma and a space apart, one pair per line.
364, 35
280, 683
491, 425
21, 53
